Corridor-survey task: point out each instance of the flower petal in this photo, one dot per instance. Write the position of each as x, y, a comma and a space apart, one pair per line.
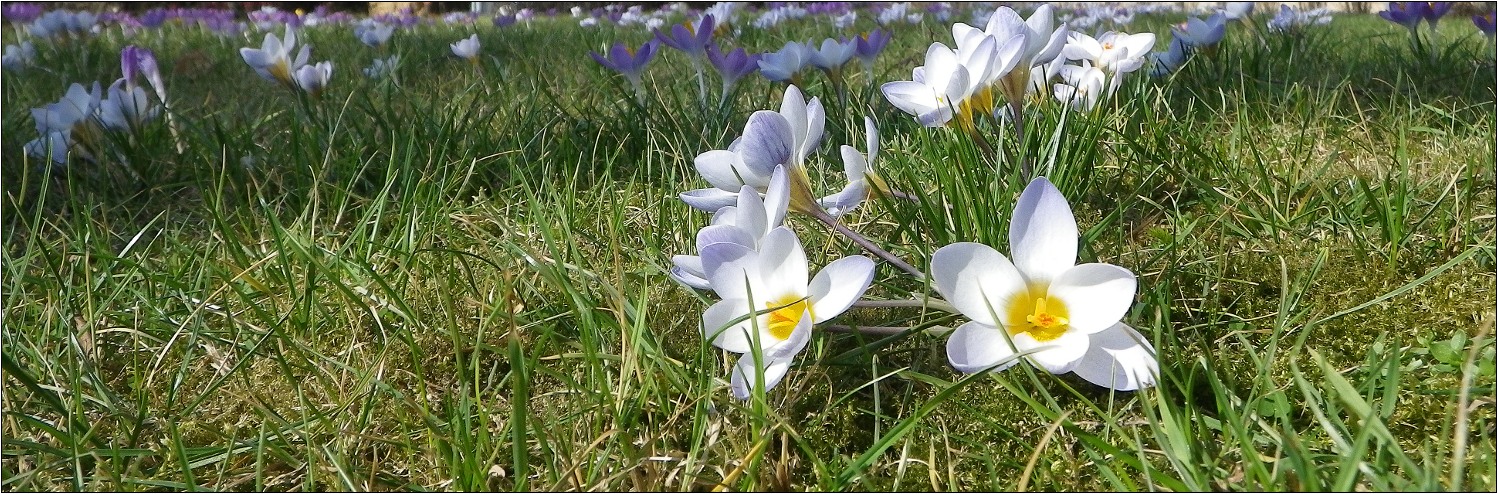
744, 376
717, 167
782, 263
709, 200
688, 271
1119, 358
976, 279
767, 142
846, 200
719, 326
977, 347
1043, 233
750, 213
777, 197
838, 285
1057, 356
713, 234
733, 269
1096, 295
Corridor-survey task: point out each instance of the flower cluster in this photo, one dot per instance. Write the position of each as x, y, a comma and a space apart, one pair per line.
273, 62
78, 122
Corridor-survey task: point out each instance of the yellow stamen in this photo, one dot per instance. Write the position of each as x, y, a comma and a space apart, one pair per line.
1044, 320
785, 314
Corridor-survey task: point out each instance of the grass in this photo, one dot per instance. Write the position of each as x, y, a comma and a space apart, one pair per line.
458, 281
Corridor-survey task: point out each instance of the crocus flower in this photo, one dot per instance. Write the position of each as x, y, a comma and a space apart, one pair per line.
745, 224
1166, 62
69, 123
1434, 11
691, 40
18, 57
768, 305
833, 54
126, 107
273, 60
467, 49
373, 34
952, 83
1197, 33
1483, 22
134, 61
784, 64
313, 79
1113, 52
868, 45
1042, 42
1237, 10
1407, 14
770, 138
1065, 317
627, 61
382, 68
731, 66
504, 20
863, 182
1082, 86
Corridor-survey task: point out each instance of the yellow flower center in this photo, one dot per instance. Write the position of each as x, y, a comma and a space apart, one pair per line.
1107, 46
785, 313
1045, 319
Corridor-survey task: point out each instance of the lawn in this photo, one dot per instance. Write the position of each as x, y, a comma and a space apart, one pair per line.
458, 277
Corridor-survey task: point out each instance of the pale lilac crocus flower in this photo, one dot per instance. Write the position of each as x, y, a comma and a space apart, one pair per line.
692, 40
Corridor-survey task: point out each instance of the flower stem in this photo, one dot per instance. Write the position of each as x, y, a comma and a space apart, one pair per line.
1017, 111
929, 303
867, 244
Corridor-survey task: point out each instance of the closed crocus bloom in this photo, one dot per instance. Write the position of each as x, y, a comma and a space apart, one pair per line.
936, 89
627, 61
1082, 86
1199, 33
784, 64
134, 61
467, 49
863, 182
833, 54
1043, 40
273, 61
689, 38
1166, 62
1485, 24
373, 34
1434, 11
1237, 10
314, 78
126, 107
1066, 317
868, 46
731, 66
745, 223
18, 57
750, 160
769, 305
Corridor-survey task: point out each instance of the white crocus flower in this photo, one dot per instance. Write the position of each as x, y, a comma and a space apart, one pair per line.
467, 49
1061, 316
314, 78
769, 306
382, 68
1114, 52
745, 224
770, 138
273, 60
126, 108
937, 89
1082, 86
833, 54
863, 182
1043, 42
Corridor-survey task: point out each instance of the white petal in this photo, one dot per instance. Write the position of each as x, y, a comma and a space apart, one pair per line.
838, 285
688, 271
733, 270
846, 200
816, 121
1057, 356
976, 347
1096, 295
713, 234
743, 378
782, 263
718, 326
709, 199
750, 213
910, 97
976, 279
1043, 233
717, 167
777, 197
1119, 358
793, 109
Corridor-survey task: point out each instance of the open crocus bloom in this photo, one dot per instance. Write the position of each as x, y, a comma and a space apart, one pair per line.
768, 305
1064, 317
744, 224
273, 60
1198, 33
126, 108
783, 65
1114, 52
937, 89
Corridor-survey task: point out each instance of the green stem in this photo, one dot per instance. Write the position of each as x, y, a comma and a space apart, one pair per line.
867, 244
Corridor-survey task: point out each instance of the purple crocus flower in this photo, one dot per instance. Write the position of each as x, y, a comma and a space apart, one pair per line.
1484, 23
690, 39
21, 12
504, 20
1407, 14
869, 45
629, 63
1433, 11
732, 66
